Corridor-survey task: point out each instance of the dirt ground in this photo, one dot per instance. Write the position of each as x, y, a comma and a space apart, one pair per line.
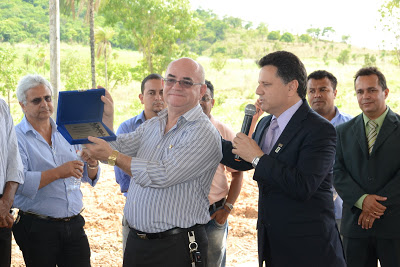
103, 213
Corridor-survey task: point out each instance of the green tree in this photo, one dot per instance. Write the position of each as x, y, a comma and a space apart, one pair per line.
345, 38
390, 20
158, 29
327, 31
218, 61
287, 37
68, 6
262, 29
305, 38
314, 32
274, 35
369, 60
344, 57
9, 73
102, 38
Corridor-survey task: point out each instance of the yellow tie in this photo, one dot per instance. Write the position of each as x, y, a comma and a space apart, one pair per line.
371, 138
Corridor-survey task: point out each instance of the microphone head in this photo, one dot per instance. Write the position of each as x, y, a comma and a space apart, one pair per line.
250, 110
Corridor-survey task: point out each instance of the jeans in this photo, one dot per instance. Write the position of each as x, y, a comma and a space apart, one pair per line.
217, 235
125, 233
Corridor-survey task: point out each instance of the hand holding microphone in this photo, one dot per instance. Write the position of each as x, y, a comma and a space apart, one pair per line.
249, 112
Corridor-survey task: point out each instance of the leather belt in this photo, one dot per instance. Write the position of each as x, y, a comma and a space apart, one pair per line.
173, 231
48, 218
217, 205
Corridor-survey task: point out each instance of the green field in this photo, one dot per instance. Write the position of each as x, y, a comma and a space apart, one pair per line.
235, 84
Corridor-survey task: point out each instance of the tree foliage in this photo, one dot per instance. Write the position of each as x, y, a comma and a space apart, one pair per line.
305, 38
9, 73
287, 37
344, 56
390, 19
157, 27
274, 35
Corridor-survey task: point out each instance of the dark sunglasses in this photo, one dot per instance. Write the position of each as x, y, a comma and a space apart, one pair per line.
38, 100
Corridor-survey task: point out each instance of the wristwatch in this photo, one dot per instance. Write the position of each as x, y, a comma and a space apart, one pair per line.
113, 158
255, 162
229, 205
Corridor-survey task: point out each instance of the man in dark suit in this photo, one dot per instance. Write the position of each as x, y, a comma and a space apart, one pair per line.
367, 176
292, 151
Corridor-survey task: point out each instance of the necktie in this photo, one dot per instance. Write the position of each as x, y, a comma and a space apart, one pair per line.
371, 138
270, 137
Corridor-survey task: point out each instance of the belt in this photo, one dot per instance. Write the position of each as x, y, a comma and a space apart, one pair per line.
173, 231
217, 205
48, 218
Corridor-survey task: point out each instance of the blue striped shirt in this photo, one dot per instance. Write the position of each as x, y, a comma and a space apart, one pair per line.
172, 172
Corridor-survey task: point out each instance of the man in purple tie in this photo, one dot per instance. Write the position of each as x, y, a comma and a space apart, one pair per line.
292, 151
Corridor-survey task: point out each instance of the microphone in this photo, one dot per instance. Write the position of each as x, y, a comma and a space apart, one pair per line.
249, 112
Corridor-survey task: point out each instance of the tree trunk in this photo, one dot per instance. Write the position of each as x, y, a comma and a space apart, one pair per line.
92, 45
105, 67
54, 14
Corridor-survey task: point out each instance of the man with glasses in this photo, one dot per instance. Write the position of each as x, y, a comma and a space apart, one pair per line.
10, 176
222, 197
49, 228
172, 159
151, 97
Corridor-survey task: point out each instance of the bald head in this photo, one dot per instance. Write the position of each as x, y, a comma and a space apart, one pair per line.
193, 67
185, 85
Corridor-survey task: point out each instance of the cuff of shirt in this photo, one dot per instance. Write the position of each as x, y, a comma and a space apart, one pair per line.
360, 201
31, 184
139, 172
86, 178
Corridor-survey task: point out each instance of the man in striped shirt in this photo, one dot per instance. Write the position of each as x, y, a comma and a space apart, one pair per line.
172, 159
10, 176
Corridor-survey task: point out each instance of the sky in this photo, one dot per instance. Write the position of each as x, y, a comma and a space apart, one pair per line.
357, 18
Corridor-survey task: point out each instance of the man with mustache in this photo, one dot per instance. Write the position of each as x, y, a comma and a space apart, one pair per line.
49, 228
367, 176
151, 97
321, 92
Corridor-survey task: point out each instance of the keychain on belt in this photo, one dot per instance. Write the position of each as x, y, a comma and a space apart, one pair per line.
195, 255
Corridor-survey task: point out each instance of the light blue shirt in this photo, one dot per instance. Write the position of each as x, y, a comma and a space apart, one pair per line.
283, 120
127, 126
171, 172
61, 198
338, 202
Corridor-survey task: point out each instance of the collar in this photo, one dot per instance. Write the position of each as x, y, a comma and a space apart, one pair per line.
285, 117
378, 120
26, 126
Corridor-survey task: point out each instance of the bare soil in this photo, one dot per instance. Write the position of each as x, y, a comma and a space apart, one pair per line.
103, 214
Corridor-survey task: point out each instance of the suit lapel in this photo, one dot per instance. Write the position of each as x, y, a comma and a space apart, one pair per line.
291, 129
359, 132
388, 126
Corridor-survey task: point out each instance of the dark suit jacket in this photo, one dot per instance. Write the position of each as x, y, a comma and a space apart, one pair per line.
296, 222
358, 173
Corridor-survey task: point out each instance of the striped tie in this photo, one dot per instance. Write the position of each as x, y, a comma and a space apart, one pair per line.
371, 138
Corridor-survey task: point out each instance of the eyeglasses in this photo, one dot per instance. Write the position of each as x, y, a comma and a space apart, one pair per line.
205, 98
38, 100
183, 83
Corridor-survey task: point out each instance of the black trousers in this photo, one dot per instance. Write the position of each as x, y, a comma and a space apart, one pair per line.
365, 252
170, 251
5, 247
47, 243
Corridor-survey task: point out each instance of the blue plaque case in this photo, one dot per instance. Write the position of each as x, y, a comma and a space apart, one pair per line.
80, 110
